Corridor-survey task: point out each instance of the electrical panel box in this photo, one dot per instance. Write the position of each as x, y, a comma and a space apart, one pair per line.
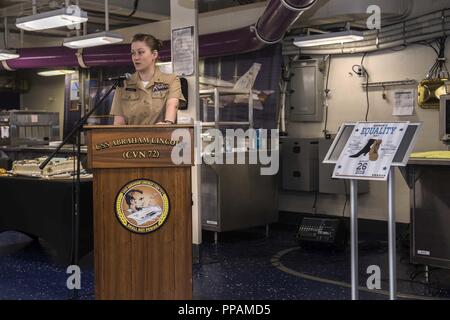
299, 164
306, 98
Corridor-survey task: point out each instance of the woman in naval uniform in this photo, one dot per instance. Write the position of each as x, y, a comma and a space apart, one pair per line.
150, 96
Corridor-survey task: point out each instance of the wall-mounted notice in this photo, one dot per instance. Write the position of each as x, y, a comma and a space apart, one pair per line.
369, 151
183, 51
404, 101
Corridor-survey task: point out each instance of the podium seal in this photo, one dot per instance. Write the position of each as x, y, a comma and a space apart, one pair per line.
142, 206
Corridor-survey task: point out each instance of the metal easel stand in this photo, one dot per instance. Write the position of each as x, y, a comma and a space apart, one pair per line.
354, 237
392, 237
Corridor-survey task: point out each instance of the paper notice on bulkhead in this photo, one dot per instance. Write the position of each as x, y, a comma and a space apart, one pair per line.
404, 101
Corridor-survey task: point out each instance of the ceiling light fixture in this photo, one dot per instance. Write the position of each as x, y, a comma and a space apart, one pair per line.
6, 54
165, 67
328, 38
93, 40
68, 16
50, 73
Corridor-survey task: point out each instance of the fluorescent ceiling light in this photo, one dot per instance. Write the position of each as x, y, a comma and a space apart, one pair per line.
165, 67
6, 54
164, 63
93, 40
67, 16
328, 38
50, 73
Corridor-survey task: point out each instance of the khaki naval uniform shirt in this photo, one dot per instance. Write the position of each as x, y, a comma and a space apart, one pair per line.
146, 105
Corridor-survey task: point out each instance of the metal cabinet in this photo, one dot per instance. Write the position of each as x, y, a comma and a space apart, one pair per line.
237, 196
299, 164
430, 211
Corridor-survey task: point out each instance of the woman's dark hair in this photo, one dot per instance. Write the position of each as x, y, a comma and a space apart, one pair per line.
150, 41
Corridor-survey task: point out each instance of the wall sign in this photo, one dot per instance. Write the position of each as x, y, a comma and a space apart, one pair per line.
74, 90
404, 102
369, 151
142, 206
183, 51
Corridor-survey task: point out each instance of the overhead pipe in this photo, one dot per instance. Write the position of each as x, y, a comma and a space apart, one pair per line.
427, 27
278, 16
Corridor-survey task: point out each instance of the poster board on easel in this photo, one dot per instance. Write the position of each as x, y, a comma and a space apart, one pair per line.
351, 145
401, 156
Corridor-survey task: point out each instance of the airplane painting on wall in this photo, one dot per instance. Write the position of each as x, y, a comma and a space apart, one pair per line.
244, 83
234, 77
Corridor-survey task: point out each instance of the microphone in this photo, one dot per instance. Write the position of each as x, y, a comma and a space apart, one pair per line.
126, 76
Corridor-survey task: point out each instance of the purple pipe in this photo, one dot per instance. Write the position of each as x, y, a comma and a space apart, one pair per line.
47, 57
112, 55
270, 28
116, 55
228, 42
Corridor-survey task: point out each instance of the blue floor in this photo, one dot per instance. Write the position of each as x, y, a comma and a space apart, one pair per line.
243, 265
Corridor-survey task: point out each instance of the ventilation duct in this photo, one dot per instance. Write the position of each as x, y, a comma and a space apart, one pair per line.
270, 28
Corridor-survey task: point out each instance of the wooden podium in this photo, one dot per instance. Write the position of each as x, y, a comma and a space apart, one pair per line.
142, 212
